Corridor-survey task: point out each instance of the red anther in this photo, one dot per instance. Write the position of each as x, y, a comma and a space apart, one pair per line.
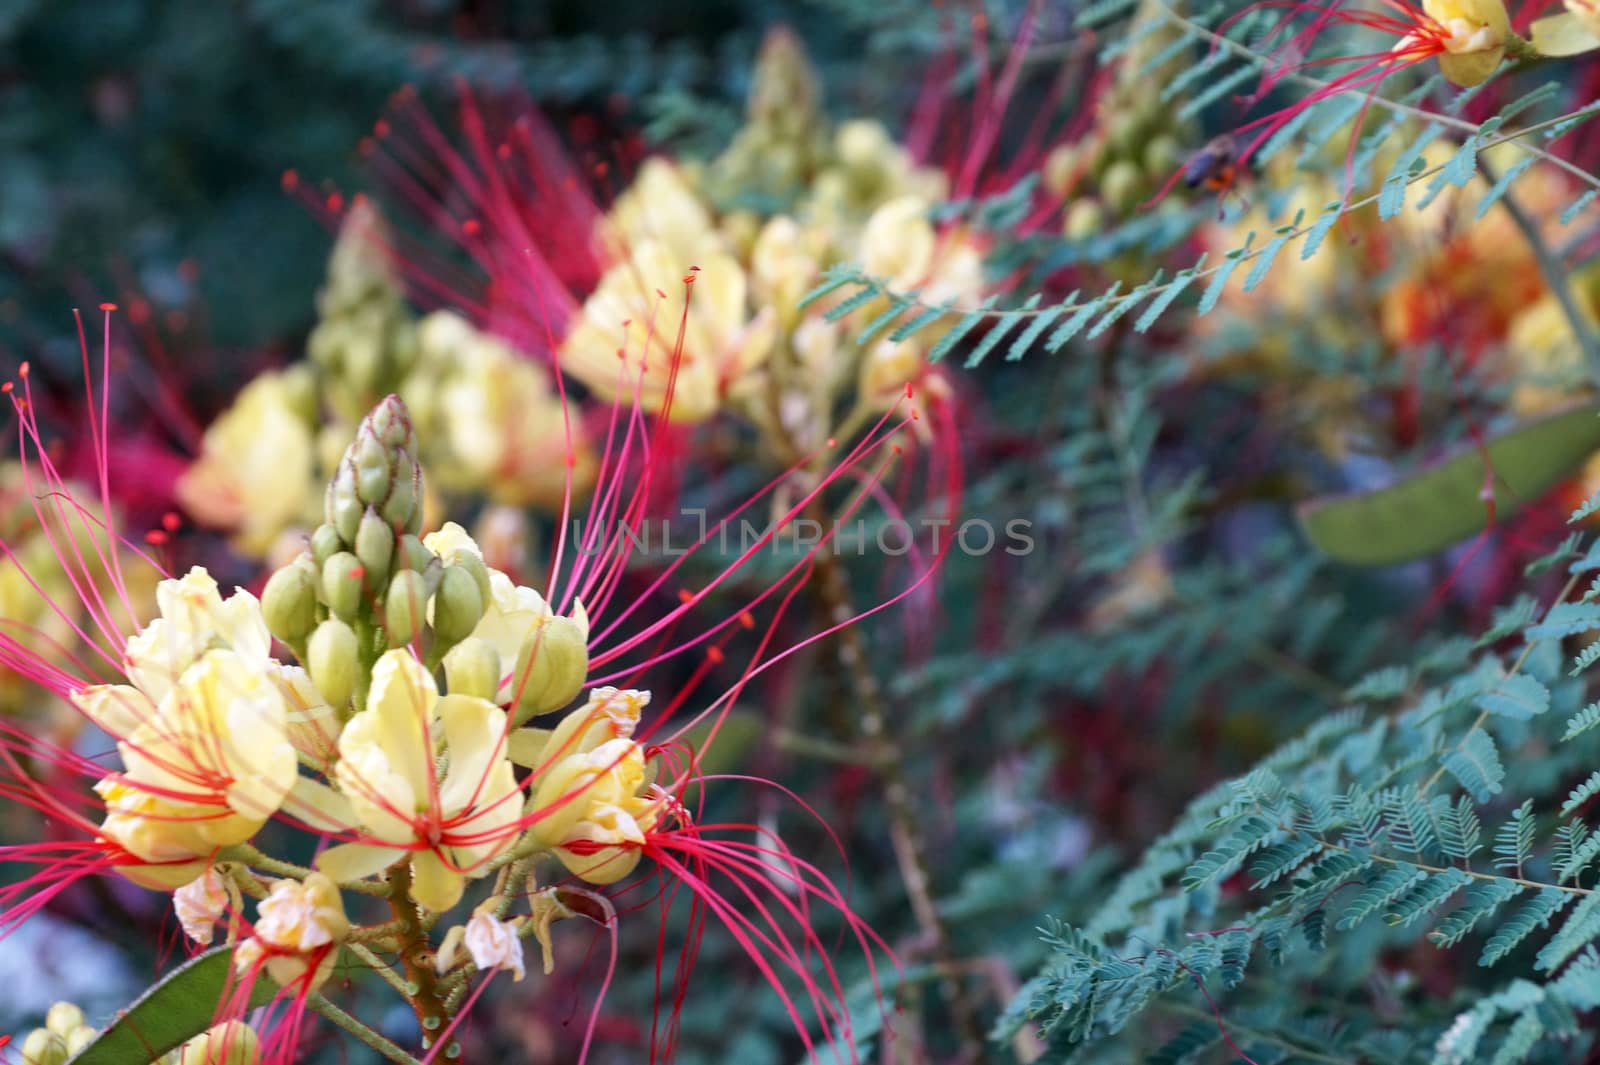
685, 596
626, 322
601, 169
747, 619
170, 521
908, 389
715, 654
833, 441
358, 573
108, 306
688, 279
898, 450
380, 128
6, 388
291, 180
155, 538
504, 152
661, 294
916, 415
358, 200
694, 269
22, 371
335, 201
471, 227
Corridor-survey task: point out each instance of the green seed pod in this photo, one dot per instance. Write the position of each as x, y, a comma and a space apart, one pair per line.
457, 606
1162, 155
44, 1047
375, 548
325, 543
332, 659
551, 668
289, 601
473, 668
405, 607
341, 584
63, 1019
229, 1043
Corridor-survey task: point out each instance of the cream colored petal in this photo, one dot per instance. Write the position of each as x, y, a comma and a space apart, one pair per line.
320, 807
357, 861
475, 736
117, 709
402, 699
434, 886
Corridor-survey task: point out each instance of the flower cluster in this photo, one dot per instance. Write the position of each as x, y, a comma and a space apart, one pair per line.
489, 414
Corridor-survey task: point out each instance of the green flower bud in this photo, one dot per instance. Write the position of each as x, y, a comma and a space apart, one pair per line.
378, 470
1162, 154
325, 543
473, 668
341, 584
405, 607
1121, 186
229, 1043
415, 556
1084, 219
289, 601
343, 510
63, 1019
44, 1047
332, 659
551, 667
457, 606
479, 571
375, 548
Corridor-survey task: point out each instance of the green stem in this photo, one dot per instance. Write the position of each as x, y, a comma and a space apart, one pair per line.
372, 1039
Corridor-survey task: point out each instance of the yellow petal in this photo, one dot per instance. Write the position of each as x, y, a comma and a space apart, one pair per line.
356, 861
319, 806
434, 886
1563, 35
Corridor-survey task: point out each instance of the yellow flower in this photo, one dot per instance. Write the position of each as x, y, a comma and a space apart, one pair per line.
625, 339
591, 812
1574, 31
502, 427
206, 769
1545, 355
298, 924
661, 207
202, 731
256, 472
1477, 34
387, 775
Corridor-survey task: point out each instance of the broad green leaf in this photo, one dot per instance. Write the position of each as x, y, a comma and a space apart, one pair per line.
1444, 504
180, 1007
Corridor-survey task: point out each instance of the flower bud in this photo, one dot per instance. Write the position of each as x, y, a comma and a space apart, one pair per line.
415, 556
289, 601
472, 667
1085, 219
551, 667
475, 566
332, 659
44, 1047
342, 508
1121, 185
404, 607
341, 584
229, 1043
325, 543
457, 606
80, 1038
375, 548
63, 1019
